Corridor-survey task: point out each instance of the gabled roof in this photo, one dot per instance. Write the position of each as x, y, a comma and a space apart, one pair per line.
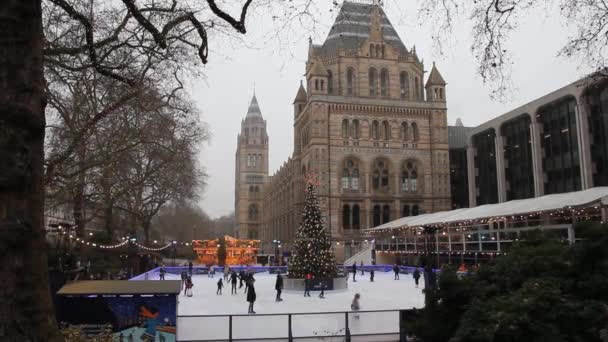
353, 26
301, 96
254, 108
435, 77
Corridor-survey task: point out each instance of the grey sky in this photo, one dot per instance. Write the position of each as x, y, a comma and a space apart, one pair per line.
276, 67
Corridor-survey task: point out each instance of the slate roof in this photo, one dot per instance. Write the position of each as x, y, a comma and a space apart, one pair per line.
301, 96
254, 108
352, 28
435, 77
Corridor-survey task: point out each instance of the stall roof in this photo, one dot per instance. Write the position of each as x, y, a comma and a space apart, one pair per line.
121, 287
577, 199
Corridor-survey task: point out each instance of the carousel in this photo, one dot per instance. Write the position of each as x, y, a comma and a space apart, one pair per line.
238, 252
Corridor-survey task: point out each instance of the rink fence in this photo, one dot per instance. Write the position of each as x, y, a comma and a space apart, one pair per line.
342, 270
372, 325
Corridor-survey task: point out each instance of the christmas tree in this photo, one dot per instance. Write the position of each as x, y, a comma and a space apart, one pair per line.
312, 252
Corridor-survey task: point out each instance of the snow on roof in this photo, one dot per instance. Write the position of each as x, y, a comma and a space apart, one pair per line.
545, 203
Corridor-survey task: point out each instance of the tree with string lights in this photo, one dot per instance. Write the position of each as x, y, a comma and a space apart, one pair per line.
312, 252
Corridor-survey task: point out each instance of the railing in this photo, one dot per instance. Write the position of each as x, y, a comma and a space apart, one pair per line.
373, 325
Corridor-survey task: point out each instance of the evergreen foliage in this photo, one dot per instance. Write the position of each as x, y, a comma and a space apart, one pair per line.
312, 252
541, 291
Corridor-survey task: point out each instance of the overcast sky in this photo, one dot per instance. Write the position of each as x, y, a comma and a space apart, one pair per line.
276, 67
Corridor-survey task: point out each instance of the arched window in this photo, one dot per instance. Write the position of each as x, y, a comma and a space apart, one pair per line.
322, 85
377, 50
415, 210
417, 88
386, 214
251, 189
404, 131
386, 130
375, 130
330, 82
316, 84
377, 216
350, 81
350, 175
346, 216
409, 177
382, 51
404, 83
441, 93
253, 212
371, 50
356, 217
415, 133
384, 82
345, 179
380, 175
355, 129
406, 211
345, 128
373, 82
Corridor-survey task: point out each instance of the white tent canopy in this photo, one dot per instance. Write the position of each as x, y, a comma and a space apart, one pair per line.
573, 200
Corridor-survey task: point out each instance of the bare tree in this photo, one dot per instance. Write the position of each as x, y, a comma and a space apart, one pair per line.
494, 21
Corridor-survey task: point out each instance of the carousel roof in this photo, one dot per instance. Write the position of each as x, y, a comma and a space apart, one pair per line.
547, 203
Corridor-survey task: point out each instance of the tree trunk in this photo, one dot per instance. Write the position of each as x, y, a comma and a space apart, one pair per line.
78, 209
108, 220
26, 312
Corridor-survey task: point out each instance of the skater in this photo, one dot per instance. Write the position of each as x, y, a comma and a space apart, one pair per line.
251, 295
279, 287
355, 305
307, 284
183, 276
162, 273
189, 285
371, 275
233, 282
322, 294
362, 268
190, 268
226, 272
416, 276
354, 271
396, 271
241, 278
220, 284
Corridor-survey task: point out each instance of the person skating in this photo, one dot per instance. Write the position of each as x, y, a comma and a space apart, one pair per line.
183, 276
371, 275
241, 278
226, 272
251, 295
307, 284
362, 272
189, 285
162, 273
279, 287
396, 271
233, 282
220, 284
416, 276
355, 306
354, 271
322, 294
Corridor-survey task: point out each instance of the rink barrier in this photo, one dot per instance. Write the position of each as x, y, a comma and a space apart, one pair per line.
399, 333
342, 270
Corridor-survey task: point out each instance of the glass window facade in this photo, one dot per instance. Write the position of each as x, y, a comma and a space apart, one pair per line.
518, 158
598, 125
485, 167
459, 181
561, 163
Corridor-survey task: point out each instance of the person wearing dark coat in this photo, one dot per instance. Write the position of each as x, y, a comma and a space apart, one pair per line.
279, 287
354, 271
251, 295
322, 294
416, 277
220, 284
190, 267
371, 275
162, 273
396, 271
241, 279
233, 282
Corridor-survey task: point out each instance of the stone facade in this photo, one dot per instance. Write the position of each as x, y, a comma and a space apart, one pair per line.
366, 124
251, 166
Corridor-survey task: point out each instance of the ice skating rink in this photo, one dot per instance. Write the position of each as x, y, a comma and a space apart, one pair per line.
383, 294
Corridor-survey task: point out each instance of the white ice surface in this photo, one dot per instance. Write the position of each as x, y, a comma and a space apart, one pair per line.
383, 294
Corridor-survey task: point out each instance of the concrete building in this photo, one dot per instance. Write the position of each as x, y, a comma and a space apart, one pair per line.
251, 166
554, 144
457, 137
370, 127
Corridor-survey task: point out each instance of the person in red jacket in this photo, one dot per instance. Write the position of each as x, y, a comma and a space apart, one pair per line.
307, 284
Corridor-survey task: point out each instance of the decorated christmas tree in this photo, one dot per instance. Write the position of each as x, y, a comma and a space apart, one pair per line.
312, 252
